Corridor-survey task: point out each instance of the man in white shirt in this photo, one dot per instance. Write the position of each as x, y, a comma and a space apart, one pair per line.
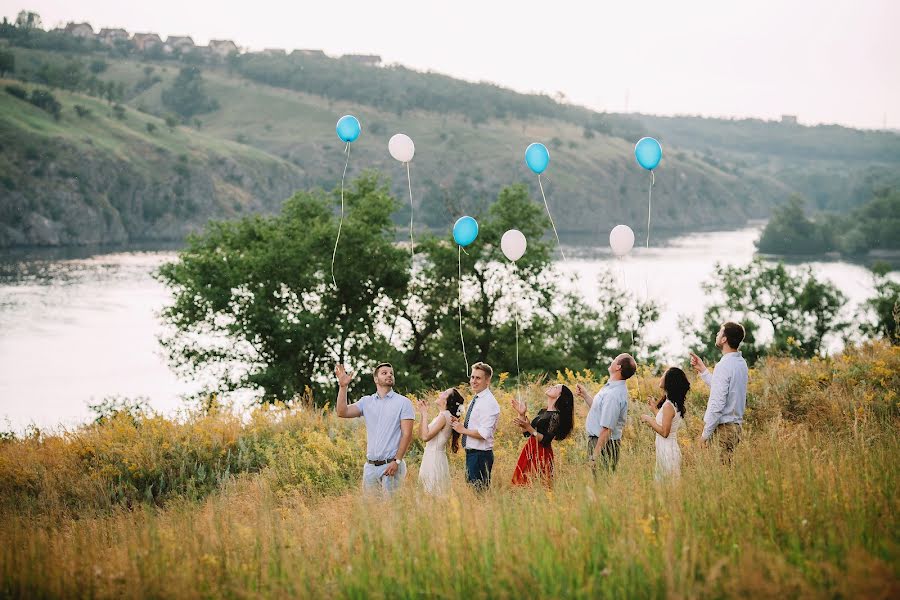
389, 423
478, 428
727, 390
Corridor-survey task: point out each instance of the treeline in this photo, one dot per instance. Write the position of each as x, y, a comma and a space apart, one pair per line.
398, 89
873, 226
254, 300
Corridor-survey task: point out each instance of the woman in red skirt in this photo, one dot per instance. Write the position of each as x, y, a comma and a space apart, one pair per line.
552, 423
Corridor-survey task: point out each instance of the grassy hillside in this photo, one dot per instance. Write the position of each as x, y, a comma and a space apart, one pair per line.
213, 505
102, 178
276, 120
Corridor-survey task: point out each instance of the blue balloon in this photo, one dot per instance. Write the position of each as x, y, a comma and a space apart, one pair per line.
348, 128
537, 158
465, 231
648, 153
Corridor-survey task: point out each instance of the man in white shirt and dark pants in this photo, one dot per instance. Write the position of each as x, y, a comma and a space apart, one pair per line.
727, 390
478, 428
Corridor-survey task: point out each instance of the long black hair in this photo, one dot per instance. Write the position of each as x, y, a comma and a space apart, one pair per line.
454, 403
565, 404
676, 386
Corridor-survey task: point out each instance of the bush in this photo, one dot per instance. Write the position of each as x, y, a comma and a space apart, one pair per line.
44, 100
82, 111
18, 91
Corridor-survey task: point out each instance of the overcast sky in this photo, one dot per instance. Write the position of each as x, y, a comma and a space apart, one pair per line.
823, 60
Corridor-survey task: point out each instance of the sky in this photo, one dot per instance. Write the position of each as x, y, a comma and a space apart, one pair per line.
826, 61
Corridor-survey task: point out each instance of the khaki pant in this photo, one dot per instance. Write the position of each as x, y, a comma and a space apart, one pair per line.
728, 436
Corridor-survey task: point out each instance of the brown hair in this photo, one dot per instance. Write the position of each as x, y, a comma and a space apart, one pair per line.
379, 365
734, 334
454, 404
484, 367
628, 366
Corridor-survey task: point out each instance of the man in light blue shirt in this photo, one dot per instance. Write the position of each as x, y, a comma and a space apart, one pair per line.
389, 424
727, 390
608, 412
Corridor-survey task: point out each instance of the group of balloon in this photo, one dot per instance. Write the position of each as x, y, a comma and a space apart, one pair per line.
647, 151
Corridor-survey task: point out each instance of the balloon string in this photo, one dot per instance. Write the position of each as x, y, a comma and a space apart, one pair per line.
625, 289
412, 246
551, 219
516, 307
459, 307
341, 222
649, 200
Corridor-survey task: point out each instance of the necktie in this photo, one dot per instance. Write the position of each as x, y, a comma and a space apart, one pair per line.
466, 422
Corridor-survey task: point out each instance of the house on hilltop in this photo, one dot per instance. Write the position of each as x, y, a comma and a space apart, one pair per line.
364, 59
146, 41
222, 47
82, 30
179, 43
318, 53
111, 36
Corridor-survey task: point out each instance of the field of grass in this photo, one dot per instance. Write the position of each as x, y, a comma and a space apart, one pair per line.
214, 504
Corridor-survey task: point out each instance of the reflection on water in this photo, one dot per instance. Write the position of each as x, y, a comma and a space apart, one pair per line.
78, 325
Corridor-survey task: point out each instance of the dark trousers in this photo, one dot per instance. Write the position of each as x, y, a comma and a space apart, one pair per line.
609, 454
478, 468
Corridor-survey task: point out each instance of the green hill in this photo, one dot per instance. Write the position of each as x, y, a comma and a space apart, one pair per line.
99, 178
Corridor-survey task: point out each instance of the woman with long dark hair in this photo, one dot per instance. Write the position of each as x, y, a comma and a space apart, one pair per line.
551, 423
434, 472
669, 415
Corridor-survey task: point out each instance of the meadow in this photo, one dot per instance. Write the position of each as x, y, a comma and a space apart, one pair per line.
222, 503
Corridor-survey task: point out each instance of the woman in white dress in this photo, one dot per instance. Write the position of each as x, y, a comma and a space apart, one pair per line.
434, 473
669, 417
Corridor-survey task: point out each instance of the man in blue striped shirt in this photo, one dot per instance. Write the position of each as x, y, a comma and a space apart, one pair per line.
727, 390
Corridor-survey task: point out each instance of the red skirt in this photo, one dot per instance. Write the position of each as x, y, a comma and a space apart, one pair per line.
535, 462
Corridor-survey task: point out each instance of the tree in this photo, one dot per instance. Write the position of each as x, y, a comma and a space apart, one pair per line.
28, 20
801, 310
7, 62
884, 307
789, 231
44, 100
254, 303
98, 66
494, 292
187, 97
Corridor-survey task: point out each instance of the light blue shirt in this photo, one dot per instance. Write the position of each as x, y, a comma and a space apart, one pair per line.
609, 409
383, 416
727, 392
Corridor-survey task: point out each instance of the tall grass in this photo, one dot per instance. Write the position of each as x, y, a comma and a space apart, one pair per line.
808, 508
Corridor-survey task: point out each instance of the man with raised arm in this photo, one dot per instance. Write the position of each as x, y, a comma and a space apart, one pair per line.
389, 421
727, 390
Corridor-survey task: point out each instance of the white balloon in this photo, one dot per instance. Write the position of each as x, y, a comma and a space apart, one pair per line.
513, 244
621, 240
401, 147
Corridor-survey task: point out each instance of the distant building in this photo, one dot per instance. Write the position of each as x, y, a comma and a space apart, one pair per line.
82, 30
111, 36
317, 53
789, 119
222, 47
364, 59
273, 52
145, 41
179, 43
